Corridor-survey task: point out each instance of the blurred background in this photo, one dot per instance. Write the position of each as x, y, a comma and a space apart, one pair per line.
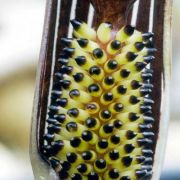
21, 25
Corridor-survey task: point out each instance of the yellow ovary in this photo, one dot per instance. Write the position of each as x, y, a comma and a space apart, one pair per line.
100, 124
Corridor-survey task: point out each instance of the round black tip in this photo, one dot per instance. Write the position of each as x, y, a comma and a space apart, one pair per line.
116, 45
121, 89
80, 60
115, 139
87, 135
100, 163
125, 178
129, 148
57, 146
93, 88
133, 116
94, 70
140, 65
124, 73
90, 122
114, 155
114, 174
147, 36
62, 102
63, 174
74, 93
141, 173
49, 137
133, 100
109, 80
54, 128
98, 53
60, 118
71, 157
69, 51
82, 168
131, 56
129, 30
54, 163
76, 24
112, 64
139, 46
106, 114
78, 77
108, 96
135, 84
87, 155
108, 128
76, 176
131, 134
82, 42
75, 142
65, 165
74, 112
118, 107
66, 41
117, 124
127, 160
93, 176
71, 126
148, 59
103, 144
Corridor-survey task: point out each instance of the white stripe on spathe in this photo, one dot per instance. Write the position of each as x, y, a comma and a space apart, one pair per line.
135, 13
72, 16
90, 15
151, 15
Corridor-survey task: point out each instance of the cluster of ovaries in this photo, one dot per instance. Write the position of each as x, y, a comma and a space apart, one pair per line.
100, 122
